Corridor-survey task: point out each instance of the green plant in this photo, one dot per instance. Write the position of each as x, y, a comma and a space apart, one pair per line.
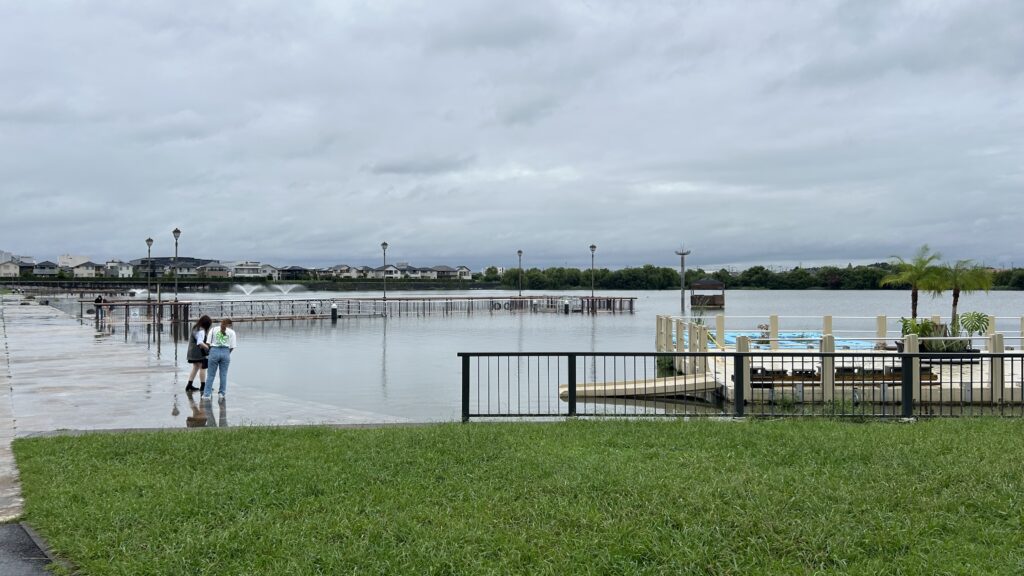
920, 273
974, 323
962, 277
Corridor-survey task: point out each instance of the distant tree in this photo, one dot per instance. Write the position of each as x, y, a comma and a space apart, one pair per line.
491, 274
920, 273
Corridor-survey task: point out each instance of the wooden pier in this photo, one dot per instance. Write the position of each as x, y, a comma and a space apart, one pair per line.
256, 310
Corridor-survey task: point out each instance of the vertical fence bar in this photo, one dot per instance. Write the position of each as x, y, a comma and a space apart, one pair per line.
740, 375
907, 385
465, 388
572, 384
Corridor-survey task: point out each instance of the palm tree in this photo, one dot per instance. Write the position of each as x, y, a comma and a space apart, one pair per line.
963, 277
920, 273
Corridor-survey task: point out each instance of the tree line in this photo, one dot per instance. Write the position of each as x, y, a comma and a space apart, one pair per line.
648, 277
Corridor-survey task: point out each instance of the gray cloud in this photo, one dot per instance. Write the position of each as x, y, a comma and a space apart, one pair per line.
754, 132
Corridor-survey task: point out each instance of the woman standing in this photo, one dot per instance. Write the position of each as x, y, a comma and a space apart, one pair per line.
222, 341
197, 351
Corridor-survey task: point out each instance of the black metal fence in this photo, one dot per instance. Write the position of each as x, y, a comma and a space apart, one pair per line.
871, 384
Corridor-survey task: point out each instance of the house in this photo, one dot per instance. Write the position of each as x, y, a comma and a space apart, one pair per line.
464, 273
26, 264
88, 269
165, 266
46, 269
296, 273
9, 269
118, 269
342, 271
249, 269
390, 272
213, 270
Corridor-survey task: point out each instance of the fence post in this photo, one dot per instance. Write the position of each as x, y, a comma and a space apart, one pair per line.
913, 346
998, 384
828, 368
679, 363
881, 331
740, 376
465, 387
773, 331
907, 386
826, 325
991, 326
720, 331
741, 373
572, 384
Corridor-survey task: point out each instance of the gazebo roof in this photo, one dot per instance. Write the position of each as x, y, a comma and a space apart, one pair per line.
707, 284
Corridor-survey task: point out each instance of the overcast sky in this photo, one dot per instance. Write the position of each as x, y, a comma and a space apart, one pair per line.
461, 131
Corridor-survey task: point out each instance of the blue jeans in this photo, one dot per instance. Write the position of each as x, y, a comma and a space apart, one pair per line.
220, 359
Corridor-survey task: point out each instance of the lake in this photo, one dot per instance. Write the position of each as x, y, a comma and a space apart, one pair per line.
407, 366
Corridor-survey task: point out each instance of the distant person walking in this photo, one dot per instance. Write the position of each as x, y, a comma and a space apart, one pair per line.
198, 350
222, 341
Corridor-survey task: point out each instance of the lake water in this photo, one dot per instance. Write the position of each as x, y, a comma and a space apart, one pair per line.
407, 366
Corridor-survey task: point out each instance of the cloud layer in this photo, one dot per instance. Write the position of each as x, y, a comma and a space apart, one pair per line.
460, 132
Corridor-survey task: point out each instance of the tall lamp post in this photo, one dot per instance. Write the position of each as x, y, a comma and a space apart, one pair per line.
176, 234
149, 272
520, 253
593, 248
682, 279
384, 271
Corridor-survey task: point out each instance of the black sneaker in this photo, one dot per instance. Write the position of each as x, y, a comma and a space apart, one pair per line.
190, 388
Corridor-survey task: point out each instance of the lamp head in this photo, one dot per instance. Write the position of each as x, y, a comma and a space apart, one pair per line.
520, 253
593, 247
149, 242
176, 233
384, 246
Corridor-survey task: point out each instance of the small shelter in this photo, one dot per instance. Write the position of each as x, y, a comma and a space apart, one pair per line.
704, 299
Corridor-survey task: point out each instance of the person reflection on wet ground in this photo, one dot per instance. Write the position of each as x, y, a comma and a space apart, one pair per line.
202, 413
198, 417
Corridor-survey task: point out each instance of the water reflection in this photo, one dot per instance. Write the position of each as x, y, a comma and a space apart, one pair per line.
203, 414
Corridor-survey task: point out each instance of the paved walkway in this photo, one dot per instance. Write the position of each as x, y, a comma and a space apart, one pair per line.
57, 374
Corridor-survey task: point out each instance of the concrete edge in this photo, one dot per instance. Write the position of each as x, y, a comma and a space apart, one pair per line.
367, 425
44, 547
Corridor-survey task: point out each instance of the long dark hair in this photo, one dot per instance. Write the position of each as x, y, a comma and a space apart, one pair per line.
224, 324
204, 322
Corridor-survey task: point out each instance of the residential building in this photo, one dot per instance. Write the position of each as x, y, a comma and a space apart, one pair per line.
46, 268
249, 269
164, 266
297, 273
213, 270
69, 261
88, 269
391, 272
342, 271
26, 264
7, 256
9, 269
118, 269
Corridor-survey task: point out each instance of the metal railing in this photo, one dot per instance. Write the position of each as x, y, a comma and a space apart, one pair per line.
792, 383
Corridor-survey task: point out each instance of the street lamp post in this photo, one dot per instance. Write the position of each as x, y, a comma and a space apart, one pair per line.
520, 253
593, 248
682, 279
176, 234
384, 271
149, 272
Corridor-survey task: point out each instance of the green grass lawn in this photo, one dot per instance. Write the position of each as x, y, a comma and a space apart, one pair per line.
770, 497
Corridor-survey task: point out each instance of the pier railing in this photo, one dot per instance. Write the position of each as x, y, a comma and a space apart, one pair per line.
794, 383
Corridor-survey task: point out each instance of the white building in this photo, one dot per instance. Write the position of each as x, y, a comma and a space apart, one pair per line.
118, 269
249, 269
88, 270
9, 269
70, 261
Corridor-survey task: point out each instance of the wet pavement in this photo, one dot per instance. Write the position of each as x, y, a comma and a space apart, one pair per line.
58, 374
